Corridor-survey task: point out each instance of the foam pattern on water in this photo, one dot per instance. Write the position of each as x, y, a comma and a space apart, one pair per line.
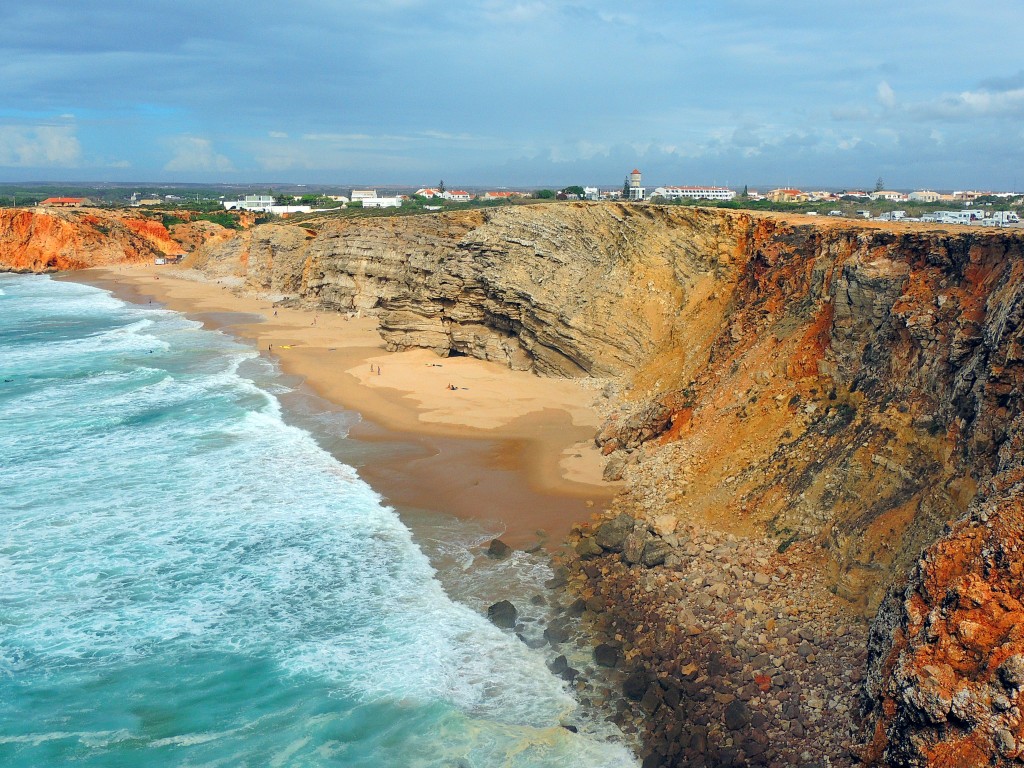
187, 579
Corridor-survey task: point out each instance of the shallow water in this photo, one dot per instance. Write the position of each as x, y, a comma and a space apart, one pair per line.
186, 578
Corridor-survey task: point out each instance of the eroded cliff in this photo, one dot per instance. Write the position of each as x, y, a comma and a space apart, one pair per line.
821, 381
48, 240
843, 390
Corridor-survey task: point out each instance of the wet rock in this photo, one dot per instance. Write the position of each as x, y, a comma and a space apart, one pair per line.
558, 665
635, 686
607, 656
557, 632
503, 614
498, 549
576, 608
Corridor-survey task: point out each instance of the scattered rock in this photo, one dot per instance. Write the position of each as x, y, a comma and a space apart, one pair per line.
607, 656
498, 549
611, 534
503, 614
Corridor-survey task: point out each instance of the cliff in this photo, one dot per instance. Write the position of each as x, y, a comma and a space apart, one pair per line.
817, 380
48, 240
846, 391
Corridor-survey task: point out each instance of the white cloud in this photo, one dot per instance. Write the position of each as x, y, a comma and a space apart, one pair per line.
886, 95
39, 146
192, 153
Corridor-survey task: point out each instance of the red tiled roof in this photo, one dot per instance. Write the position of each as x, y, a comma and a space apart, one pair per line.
63, 200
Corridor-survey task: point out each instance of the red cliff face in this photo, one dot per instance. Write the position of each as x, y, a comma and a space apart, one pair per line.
946, 683
53, 240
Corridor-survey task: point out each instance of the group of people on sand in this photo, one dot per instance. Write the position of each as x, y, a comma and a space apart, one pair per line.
372, 369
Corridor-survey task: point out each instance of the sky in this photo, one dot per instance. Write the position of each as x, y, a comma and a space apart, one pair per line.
920, 93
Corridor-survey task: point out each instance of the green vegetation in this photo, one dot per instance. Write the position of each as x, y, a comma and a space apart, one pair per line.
544, 194
225, 219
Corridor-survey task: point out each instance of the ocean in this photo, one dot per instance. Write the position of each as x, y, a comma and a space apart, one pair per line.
189, 578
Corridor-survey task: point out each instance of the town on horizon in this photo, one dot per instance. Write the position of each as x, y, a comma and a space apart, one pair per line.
964, 206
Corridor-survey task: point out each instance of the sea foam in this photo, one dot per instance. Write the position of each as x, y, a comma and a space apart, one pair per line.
188, 578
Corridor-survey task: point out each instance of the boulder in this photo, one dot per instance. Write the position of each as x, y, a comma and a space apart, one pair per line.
503, 614
607, 656
635, 686
556, 632
655, 552
633, 547
737, 715
498, 549
558, 665
611, 534
588, 548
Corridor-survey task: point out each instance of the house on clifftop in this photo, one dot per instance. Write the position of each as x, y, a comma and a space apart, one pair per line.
65, 202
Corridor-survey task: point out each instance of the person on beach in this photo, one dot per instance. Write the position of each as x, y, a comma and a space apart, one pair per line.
371, 367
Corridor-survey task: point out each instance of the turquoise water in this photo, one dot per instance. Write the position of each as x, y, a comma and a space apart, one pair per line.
187, 579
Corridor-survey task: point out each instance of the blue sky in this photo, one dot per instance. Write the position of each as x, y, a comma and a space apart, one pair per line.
924, 93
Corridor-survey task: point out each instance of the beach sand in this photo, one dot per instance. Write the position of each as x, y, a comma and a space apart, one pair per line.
505, 447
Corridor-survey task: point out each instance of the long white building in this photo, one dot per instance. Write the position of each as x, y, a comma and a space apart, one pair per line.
696, 193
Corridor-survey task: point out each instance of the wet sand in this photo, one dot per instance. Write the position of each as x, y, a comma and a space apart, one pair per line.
507, 448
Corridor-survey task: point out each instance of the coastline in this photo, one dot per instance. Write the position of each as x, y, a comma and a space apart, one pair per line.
518, 476
506, 448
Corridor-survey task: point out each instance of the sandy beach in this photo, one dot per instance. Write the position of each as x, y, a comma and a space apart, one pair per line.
470, 438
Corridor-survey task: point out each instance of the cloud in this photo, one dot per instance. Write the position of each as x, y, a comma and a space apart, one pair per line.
192, 153
971, 105
1011, 83
39, 146
886, 95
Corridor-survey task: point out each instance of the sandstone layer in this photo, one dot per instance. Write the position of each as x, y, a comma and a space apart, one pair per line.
838, 392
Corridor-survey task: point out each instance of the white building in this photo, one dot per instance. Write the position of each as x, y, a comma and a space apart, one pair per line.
457, 195
381, 202
888, 194
591, 193
363, 194
924, 196
251, 203
696, 193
